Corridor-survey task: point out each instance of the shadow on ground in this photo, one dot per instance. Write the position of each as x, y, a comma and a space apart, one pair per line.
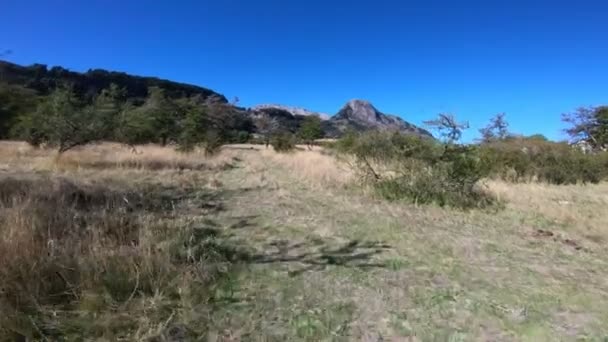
313, 254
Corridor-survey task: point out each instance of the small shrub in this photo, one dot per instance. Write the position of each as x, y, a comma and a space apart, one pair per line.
283, 142
417, 169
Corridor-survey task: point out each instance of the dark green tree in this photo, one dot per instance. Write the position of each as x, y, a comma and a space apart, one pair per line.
14, 101
194, 128
135, 125
165, 114
310, 130
65, 121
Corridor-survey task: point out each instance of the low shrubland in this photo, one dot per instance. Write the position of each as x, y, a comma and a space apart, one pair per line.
526, 159
426, 171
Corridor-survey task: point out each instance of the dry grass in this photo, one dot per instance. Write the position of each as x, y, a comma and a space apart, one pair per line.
103, 254
314, 167
323, 261
109, 155
77, 261
579, 209
448, 275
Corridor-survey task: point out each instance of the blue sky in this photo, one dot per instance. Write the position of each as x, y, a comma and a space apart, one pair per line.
531, 59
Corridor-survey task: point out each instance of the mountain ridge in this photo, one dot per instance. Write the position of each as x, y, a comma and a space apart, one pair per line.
356, 115
42, 79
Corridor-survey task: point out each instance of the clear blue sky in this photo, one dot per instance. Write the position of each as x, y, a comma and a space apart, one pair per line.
531, 59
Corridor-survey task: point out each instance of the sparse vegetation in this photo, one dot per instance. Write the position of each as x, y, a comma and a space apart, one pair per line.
153, 226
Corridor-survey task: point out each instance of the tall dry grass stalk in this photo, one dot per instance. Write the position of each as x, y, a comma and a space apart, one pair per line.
75, 256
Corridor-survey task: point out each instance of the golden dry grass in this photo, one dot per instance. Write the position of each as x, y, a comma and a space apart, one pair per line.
88, 251
580, 209
108, 155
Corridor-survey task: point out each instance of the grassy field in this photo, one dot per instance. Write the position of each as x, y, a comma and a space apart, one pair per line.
251, 245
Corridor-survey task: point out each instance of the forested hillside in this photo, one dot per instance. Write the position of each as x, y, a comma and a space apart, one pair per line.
65, 108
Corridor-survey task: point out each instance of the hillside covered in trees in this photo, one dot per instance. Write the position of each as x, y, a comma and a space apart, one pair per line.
66, 108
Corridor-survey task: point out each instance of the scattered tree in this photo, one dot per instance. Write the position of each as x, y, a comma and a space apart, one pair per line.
588, 125
134, 126
194, 128
266, 126
497, 129
64, 121
448, 127
164, 113
310, 130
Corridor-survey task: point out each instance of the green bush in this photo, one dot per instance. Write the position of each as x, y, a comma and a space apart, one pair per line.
283, 142
420, 170
522, 159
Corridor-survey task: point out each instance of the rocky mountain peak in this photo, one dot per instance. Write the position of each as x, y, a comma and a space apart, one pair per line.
360, 110
361, 115
356, 115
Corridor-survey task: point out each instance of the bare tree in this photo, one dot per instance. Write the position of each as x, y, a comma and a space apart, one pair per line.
447, 127
497, 129
266, 126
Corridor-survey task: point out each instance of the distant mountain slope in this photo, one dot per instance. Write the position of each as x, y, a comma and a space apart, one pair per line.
42, 79
356, 115
292, 110
361, 115
286, 120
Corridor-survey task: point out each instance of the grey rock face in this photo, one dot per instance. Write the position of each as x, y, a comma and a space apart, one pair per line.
361, 115
292, 110
356, 115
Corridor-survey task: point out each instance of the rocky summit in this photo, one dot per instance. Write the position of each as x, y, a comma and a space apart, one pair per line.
360, 115
356, 115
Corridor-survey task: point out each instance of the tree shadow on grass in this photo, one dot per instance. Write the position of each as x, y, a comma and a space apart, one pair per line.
314, 254
318, 254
